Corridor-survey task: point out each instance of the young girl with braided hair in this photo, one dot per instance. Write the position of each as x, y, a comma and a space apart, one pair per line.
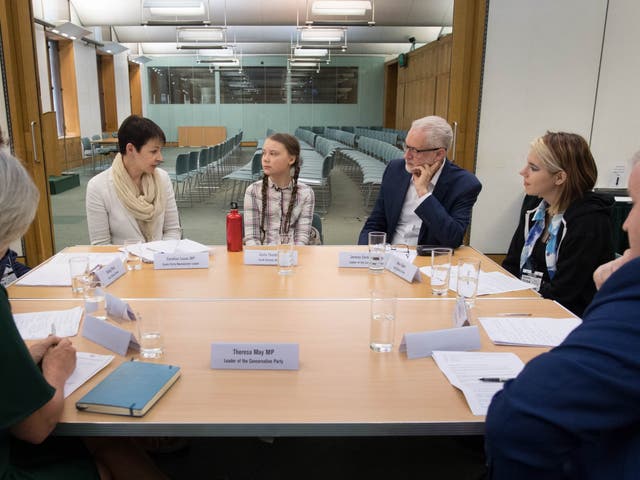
278, 204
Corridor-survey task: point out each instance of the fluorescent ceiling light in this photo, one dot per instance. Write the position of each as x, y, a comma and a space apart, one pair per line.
202, 34
174, 8
224, 52
321, 34
310, 52
303, 64
226, 62
70, 30
335, 7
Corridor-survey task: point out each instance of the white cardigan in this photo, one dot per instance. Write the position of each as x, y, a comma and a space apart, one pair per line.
111, 223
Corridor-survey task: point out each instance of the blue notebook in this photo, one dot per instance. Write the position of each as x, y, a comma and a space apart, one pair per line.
131, 389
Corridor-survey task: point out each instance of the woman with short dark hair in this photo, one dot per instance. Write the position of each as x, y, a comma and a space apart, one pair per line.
134, 197
565, 229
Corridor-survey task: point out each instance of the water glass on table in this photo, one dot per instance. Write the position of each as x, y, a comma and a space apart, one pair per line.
383, 320
78, 269
285, 254
468, 275
150, 335
95, 300
132, 261
440, 270
377, 249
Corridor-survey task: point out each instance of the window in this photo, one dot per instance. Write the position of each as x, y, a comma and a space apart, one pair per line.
181, 85
329, 85
253, 85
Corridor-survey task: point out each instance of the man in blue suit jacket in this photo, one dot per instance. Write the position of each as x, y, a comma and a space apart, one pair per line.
424, 199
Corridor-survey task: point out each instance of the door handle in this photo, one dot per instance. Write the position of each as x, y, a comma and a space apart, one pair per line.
455, 137
33, 141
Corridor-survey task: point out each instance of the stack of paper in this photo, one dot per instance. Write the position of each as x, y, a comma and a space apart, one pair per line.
530, 331
465, 369
146, 251
488, 282
39, 325
55, 273
87, 365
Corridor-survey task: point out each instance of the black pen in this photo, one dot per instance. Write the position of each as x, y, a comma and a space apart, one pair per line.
494, 379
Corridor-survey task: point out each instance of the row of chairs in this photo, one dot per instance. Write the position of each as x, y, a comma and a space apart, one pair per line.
199, 172
382, 135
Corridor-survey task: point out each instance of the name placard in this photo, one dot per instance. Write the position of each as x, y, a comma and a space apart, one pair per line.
117, 308
110, 272
461, 314
403, 268
422, 344
255, 356
110, 336
353, 259
264, 257
180, 261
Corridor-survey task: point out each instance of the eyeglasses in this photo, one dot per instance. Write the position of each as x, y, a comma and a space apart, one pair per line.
414, 150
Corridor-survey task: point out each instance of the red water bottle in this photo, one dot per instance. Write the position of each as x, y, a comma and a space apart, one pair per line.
234, 229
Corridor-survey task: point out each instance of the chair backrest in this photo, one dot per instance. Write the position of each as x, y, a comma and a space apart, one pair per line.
86, 144
256, 163
317, 223
96, 137
193, 160
182, 163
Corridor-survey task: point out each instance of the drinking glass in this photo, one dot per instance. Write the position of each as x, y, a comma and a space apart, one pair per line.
440, 270
468, 275
95, 301
150, 335
377, 247
78, 268
132, 261
383, 319
285, 254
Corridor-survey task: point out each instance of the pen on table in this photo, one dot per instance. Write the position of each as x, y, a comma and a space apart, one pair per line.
53, 329
495, 379
513, 314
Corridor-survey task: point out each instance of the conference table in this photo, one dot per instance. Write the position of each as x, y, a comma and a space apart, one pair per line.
342, 388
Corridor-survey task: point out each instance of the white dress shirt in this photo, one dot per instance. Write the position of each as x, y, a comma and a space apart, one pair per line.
408, 227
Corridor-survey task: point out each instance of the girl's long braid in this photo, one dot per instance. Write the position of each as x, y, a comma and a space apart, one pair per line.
292, 200
265, 194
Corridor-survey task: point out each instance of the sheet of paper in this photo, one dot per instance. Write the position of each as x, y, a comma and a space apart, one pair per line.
55, 273
87, 365
464, 370
531, 331
488, 282
37, 325
146, 251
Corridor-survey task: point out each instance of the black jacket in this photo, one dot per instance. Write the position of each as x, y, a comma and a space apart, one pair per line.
585, 242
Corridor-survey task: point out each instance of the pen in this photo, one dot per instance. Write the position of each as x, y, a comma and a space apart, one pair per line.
513, 314
53, 329
494, 379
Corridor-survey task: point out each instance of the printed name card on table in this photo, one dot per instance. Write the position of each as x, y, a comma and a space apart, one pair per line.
180, 261
264, 257
353, 259
461, 313
110, 336
255, 356
422, 344
110, 272
403, 268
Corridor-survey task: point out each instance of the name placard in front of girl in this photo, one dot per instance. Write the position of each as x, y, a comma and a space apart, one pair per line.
264, 257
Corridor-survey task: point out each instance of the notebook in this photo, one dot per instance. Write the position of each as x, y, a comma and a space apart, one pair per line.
131, 389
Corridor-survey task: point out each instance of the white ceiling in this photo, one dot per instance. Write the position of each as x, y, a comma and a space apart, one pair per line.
260, 27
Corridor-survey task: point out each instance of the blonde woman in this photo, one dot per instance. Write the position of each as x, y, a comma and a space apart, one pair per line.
134, 197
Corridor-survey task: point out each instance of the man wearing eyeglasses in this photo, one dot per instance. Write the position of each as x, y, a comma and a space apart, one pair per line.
424, 199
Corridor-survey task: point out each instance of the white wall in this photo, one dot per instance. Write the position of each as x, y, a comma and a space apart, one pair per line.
123, 94
540, 73
88, 93
616, 127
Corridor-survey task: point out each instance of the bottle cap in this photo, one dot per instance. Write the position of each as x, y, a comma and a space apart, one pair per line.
234, 206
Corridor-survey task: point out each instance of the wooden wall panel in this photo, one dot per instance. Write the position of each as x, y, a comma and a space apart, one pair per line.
135, 87
442, 95
69, 87
108, 93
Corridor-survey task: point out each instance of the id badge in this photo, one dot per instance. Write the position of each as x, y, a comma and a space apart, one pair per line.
8, 279
534, 278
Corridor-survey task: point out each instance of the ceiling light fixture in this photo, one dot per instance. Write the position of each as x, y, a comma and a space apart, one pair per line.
70, 30
322, 34
336, 7
141, 59
310, 52
113, 48
202, 34
174, 8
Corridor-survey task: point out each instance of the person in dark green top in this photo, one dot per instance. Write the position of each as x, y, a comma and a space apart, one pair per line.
33, 378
